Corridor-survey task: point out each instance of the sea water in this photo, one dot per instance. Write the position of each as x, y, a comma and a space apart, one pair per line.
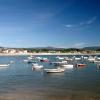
19, 82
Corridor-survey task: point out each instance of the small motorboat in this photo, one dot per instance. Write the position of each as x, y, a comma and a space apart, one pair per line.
77, 58
81, 65
59, 63
60, 58
91, 59
57, 70
31, 57
31, 61
44, 60
37, 66
69, 66
96, 61
4, 65
39, 58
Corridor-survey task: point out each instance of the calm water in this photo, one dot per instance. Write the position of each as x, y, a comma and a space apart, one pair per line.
20, 82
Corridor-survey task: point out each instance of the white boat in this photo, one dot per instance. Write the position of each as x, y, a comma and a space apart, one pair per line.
25, 60
91, 59
57, 70
85, 57
38, 58
96, 61
59, 63
69, 66
44, 60
98, 58
30, 58
37, 66
68, 59
77, 58
4, 65
60, 58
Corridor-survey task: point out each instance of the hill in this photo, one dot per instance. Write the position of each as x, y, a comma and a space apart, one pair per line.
92, 48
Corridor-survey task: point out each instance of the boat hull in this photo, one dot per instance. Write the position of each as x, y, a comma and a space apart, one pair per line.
53, 70
4, 65
68, 66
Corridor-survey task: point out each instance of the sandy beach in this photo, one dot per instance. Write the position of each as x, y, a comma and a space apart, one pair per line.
29, 54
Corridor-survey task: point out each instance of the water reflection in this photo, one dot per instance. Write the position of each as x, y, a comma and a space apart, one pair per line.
98, 66
38, 70
3, 68
54, 74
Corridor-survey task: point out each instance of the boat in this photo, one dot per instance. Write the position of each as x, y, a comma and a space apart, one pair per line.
76, 58
31, 57
68, 59
69, 66
31, 61
91, 59
39, 58
97, 58
37, 66
96, 61
81, 65
4, 65
57, 70
59, 63
60, 58
85, 58
44, 60
25, 60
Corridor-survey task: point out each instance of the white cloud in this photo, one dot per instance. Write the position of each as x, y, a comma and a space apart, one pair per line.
69, 26
82, 24
92, 20
79, 45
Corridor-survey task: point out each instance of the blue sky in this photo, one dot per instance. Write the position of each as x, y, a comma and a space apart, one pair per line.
57, 23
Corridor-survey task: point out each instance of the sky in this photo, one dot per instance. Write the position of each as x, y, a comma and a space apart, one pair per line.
56, 23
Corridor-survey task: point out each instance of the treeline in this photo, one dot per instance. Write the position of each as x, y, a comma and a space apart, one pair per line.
70, 50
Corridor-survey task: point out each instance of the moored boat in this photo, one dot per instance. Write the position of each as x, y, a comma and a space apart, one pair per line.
4, 65
57, 70
96, 61
44, 60
80, 65
60, 58
59, 63
69, 66
91, 59
37, 66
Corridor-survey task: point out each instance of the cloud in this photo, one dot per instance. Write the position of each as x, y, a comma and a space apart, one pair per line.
91, 20
69, 26
88, 22
82, 24
79, 45
86, 44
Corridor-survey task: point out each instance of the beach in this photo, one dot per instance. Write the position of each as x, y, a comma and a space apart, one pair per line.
16, 54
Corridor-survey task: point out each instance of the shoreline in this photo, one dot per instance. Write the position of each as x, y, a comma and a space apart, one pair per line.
29, 54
